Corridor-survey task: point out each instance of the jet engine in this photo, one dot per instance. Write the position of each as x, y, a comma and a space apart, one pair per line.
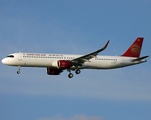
53, 71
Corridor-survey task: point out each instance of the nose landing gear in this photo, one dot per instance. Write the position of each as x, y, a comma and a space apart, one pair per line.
18, 72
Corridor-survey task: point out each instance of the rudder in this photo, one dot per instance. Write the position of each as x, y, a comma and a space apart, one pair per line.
135, 49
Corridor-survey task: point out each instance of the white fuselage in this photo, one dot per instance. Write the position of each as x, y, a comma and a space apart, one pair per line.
46, 60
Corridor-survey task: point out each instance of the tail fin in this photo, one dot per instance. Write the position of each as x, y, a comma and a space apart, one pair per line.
135, 49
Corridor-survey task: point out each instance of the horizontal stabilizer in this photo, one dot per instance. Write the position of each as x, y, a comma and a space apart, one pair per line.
141, 58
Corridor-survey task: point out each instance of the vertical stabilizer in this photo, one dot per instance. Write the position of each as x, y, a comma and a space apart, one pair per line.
135, 49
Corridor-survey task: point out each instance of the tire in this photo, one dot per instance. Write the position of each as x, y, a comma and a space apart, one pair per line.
70, 75
78, 71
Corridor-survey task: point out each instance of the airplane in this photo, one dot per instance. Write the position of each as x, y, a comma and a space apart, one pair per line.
57, 63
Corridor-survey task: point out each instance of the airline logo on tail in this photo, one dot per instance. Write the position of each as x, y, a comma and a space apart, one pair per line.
135, 49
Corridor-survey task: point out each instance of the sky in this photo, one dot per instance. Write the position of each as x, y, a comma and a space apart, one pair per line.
75, 27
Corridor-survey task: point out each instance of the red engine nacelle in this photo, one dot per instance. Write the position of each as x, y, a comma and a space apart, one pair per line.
62, 64
53, 71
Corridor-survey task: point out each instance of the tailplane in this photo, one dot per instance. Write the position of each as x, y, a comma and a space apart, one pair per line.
135, 49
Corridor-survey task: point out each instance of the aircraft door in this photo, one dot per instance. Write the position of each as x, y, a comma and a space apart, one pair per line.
20, 59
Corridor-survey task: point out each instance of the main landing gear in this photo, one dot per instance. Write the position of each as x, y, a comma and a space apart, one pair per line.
71, 75
78, 71
18, 72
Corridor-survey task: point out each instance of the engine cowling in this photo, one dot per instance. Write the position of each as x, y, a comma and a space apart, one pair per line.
53, 71
62, 64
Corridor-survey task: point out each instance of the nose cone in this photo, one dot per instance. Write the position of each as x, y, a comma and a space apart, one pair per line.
5, 61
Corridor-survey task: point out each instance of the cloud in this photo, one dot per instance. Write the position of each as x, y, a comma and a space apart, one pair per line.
75, 117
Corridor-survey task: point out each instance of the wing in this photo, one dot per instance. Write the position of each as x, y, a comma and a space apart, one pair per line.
87, 57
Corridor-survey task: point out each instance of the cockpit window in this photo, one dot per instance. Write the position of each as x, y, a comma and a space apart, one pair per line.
10, 56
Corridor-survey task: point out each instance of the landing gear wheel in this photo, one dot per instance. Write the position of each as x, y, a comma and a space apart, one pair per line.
70, 75
77, 71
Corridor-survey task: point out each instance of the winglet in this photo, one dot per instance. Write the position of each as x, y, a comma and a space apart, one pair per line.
106, 44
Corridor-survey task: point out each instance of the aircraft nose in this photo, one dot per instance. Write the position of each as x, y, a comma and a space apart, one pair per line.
4, 61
